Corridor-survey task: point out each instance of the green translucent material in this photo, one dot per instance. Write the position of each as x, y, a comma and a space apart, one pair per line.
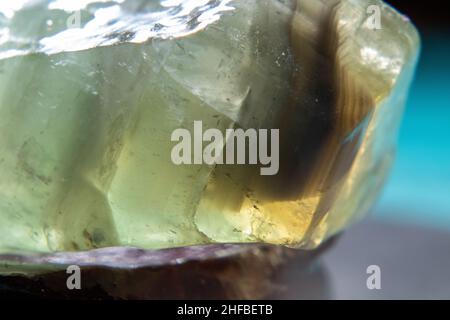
85, 127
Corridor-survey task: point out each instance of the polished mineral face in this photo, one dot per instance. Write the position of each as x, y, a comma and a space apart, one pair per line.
92, 91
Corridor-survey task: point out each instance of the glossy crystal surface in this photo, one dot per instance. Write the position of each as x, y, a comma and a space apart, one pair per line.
86, 116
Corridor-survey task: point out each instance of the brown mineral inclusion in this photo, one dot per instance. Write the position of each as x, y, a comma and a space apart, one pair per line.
86, 116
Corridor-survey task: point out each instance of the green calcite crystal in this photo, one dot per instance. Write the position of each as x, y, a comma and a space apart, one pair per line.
87, 113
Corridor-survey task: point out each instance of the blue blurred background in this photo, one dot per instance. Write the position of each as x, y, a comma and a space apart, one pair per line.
418, 190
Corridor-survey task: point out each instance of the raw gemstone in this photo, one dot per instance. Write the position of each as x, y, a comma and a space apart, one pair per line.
87, 113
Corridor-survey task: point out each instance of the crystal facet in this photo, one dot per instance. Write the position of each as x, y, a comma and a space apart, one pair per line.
86, 116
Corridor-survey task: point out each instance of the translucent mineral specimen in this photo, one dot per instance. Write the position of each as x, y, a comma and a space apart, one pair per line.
87, 113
